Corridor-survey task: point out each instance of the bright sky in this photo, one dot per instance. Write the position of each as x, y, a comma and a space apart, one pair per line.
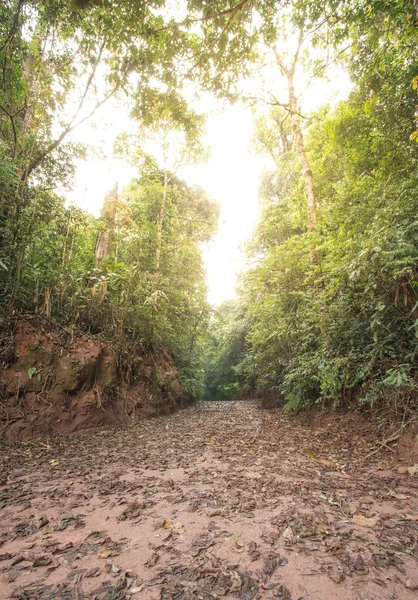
231, 176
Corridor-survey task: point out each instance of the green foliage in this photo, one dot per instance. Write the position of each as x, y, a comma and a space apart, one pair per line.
61, 61
347, 327
351, 330
122, 298
226, 346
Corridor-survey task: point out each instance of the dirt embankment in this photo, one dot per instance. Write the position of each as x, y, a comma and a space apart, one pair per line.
63, 382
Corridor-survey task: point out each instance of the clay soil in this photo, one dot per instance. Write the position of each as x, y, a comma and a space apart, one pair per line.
224, 500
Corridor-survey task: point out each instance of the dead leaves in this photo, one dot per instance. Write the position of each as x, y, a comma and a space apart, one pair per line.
78, 521
109, 548
203, 543
245, 491
412, 471
363, 521
42, 561
206, 581
253, 551
409, 517
288, 534
132, 511
153, 559
40, 522
6, 556
174, 525
335, 573
105, 552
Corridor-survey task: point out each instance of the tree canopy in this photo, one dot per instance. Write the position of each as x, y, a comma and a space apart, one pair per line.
327, 308
349, 329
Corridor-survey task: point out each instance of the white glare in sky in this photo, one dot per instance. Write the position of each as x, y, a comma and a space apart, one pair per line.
231, 176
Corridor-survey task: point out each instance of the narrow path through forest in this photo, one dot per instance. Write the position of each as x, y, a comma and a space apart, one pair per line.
222, 500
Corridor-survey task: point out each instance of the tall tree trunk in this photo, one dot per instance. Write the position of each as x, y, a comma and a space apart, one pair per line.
303, 159
105, 237
160, 220
289, 72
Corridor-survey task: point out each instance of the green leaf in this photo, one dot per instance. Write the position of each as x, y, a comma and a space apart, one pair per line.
31, 372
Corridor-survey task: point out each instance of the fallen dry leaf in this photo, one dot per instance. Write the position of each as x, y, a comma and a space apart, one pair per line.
325, 463
321, 528
172, 525
40, 522
287, 534
104, 552
409, 517
365, 521
136, 590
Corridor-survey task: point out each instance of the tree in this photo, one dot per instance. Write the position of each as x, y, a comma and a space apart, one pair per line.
62, 62
225, 350
357, 340
364, 162
268, 32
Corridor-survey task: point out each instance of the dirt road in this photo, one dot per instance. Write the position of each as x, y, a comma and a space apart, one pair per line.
223, 500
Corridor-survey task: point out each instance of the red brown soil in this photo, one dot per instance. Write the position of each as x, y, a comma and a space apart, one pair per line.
65, 382
223, 500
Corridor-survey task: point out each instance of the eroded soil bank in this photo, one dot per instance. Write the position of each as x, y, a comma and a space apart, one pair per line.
62, 381
223, 500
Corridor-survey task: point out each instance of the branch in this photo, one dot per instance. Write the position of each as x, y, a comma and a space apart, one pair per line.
223, 13
188, 219
312, 31
13, 127
90, 79
299, 46
71, 126
53, 145
322, 67
232, 12
392, 438
14, 25
274, 103
267, 149
279, 61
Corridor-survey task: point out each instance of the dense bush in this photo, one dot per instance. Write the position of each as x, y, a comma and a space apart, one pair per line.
347, 327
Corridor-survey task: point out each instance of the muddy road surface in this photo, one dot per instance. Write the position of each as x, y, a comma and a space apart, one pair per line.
224, 500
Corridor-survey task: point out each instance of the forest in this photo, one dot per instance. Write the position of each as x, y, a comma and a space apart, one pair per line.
327, 307
107, 326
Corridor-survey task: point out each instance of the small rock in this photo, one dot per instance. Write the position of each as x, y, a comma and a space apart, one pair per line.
11, 575
135, 590
411, 584
41, 522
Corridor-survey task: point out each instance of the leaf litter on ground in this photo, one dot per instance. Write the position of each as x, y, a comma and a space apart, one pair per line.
221, 499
